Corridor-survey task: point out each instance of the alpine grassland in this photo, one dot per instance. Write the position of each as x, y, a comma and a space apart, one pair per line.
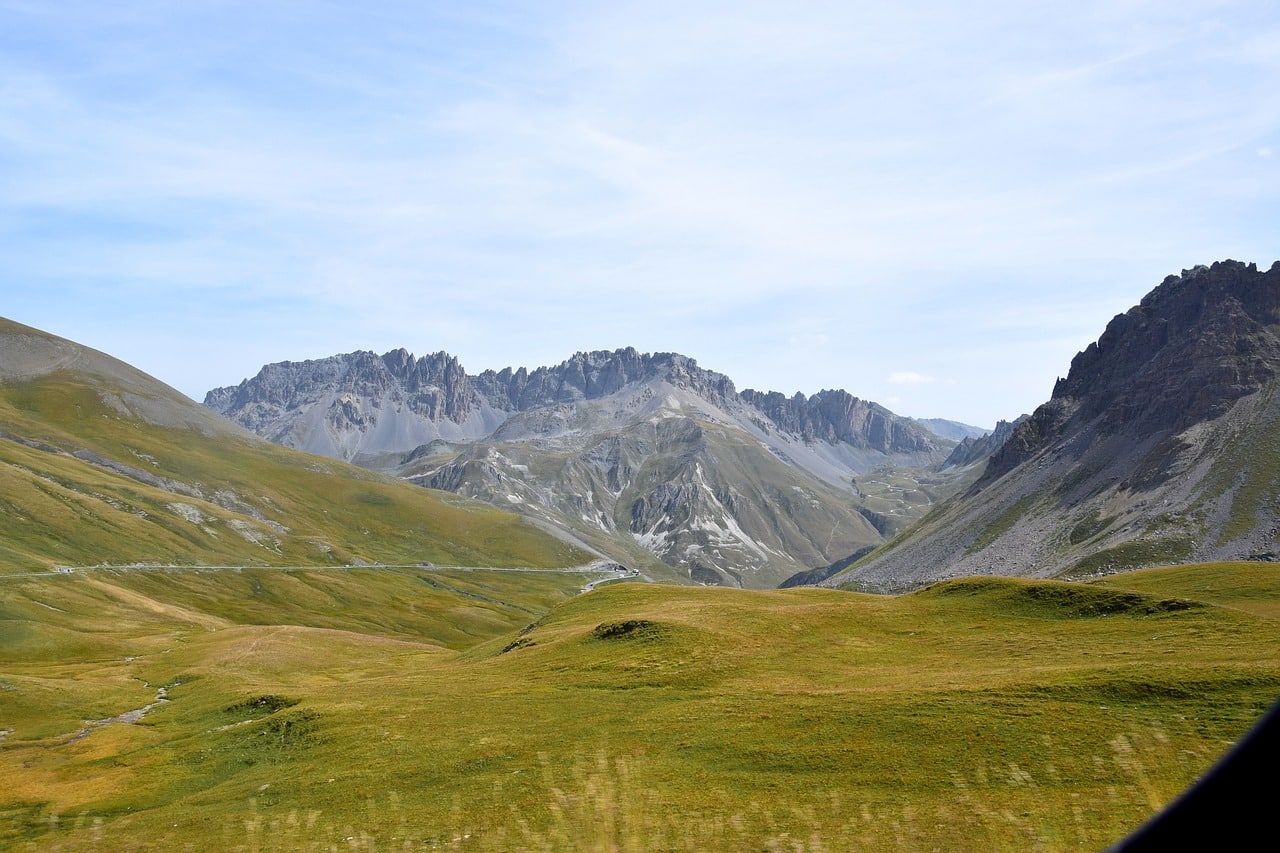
86, 479
407, 709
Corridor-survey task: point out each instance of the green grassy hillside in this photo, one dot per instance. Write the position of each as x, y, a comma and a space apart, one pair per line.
101, 464
1250, 587
410, 710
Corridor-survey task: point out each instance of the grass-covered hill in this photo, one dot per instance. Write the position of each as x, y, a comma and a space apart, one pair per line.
100, 463
405, 709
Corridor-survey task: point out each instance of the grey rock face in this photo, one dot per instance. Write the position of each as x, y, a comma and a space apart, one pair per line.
1154, 449
1191, 348
643, 456
839, 417
975, 449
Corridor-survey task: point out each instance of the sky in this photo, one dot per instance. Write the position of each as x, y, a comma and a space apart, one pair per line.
931, 205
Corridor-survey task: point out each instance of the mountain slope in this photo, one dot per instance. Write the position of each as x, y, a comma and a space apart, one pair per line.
647, 458
100, 463
973, 449
952, 429
1159, 446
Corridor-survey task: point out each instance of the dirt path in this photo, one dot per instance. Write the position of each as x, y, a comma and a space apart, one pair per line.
131, 717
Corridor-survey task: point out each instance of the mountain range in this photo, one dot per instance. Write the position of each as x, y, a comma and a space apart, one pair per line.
649, 459
1155, 448
1159, 446
319, 662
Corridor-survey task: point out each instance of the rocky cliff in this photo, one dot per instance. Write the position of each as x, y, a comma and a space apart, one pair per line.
433, 397
973, 449
1158, 446
1193, 346
839, 417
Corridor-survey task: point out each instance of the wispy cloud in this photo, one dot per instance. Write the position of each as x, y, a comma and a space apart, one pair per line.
516, 181
910, 377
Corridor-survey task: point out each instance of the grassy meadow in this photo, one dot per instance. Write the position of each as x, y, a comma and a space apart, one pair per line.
412, 710
84, 482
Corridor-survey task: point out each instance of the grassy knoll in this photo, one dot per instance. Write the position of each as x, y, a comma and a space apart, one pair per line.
342, 711
1251, 587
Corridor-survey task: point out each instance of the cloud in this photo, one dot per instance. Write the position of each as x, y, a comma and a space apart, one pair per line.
519, 181
910, 377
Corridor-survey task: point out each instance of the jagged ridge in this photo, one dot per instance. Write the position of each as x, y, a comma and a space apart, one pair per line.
1191, 348
1158, 447
436, 389
628, 451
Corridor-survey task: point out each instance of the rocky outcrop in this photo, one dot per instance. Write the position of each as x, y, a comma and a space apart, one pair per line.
353, 387
1191, 348
838, 416
975, 449
363, 404
1159, 446
593, 375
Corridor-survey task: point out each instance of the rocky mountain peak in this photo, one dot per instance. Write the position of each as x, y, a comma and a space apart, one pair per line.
632, 452
973, 449
597, 374
838, 416
1194, 345
1158, 447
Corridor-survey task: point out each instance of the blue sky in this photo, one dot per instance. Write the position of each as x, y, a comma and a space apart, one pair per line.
931, 205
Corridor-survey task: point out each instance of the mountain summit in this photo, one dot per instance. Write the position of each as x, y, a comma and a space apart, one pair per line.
1193, 346
1157, 447
648, 458
359, 405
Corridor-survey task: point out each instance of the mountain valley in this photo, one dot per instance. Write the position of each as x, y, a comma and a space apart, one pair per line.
211, 636
649, 460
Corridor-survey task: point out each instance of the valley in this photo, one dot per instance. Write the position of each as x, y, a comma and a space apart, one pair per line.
375, 709
542, 611
647, 459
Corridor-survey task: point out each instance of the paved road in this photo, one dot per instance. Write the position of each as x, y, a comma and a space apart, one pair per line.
613, 570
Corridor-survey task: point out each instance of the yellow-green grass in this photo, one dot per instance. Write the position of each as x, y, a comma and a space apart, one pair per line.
239, 501
1253, 587
975, 714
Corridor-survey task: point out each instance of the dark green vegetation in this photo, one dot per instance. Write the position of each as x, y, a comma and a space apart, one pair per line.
369, 709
